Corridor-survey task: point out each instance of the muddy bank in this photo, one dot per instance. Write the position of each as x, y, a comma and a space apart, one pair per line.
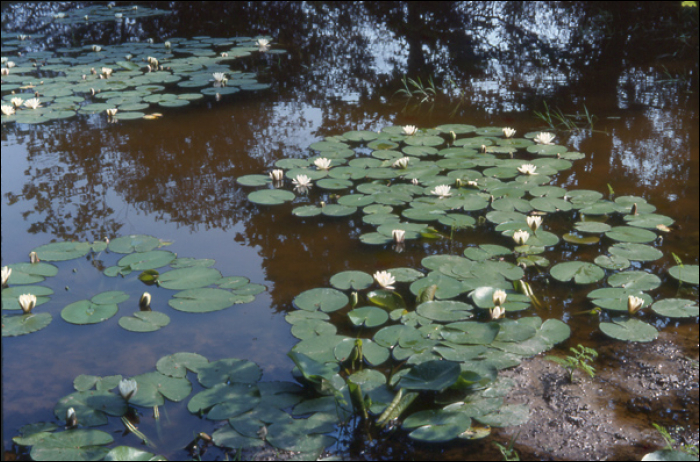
608, 417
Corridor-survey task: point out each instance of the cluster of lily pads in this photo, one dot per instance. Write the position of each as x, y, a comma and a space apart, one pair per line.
407, 182
255, 411
122, 81
191, 277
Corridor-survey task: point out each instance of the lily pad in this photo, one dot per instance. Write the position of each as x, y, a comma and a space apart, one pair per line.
327, 300
30, 273
72, 445
61, 251
87, 312
431, 375
612, 262
445, 311
616, 298
228, 370
685, 273
271, 196
154, 386
189, 278
144, 321
631, 234
636, 252
635, 280
124, 453
579, 272
629, 329
368, 316
15, 325
436, 426
676, 308
147, 260
91, 407
86, 382
206, 300
10, 296
134, 243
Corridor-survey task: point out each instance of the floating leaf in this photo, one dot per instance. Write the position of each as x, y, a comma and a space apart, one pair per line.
327, 300
676, 308
228, 370
144, 321
685, 273
271, 196
616, 299
110, 297
206, 300
631, 234
444, 311
87, 312
635, 280
91, 407
61, 251
154, 386
368, 316
579, 272
629, 329
147, 260
124, 453
436, 426
13, 326
72, 445
431, 375
86, 382
189, 278
612, 262
636, 252
30, 273
10, 296
134, 243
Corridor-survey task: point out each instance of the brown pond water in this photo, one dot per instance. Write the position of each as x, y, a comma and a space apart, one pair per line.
174, 178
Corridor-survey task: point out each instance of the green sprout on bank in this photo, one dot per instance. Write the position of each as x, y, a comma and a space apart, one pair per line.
557, 120
413, 88
582, 356
672, 444
508, 453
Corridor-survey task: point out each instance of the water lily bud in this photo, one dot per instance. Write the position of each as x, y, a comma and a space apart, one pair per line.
398, 235
355, 298
472, 183
6, 272
520, 237
277, 175
111, 112
71, 418
415, 181
128, 388
33, 258
458, 183
497, 312
525, 288
483, 148
534, 223
145, 301
634, 304
499, 297
224, 55
204, 437
27, 302
118, 15
218, 97
167, 45
635, 209
453, 134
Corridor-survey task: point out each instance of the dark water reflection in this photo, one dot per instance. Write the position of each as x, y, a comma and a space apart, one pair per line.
175, 177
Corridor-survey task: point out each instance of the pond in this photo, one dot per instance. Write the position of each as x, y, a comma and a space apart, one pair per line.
618, 85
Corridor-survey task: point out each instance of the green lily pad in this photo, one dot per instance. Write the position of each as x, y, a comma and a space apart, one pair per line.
144, 321
72, 445
228, 370
30, 273
337, 210
110, 297
445, 311
312, 327
579, 272
124, 453
368, 316
91, 407
387, 299
685, 273
87, 312
153, 387
636, 252
189, 278
134, 243
612, 262
635, 280
436, 426
10, 296
13, 326
592, 227
676, 308
61, 251
629, 329
327, 300
580, 240
271, 196
648, 220
631, 234
147, 260
431, 375
86, 382
206, 300
616, 299
190, 262
373, 353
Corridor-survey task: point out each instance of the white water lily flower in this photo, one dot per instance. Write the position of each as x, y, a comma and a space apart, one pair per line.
472, 183
409, 129
634, 304
167, 45
527, 169
263, 44
302, 181
385, 279
17, 102
401, 163
59, 15
322, 163
106, 71
6, 272
508, 132
499, 297
521, 237
415, 181
111, 112
27, 302
32, 103
544, 138
128, 388
118, 15
145, 301
497, 312
398, 235
219, 76
96, 48
33, 257
443, 191
5, 71
71, 419
277, 175
11, 64
7, 109
534, 222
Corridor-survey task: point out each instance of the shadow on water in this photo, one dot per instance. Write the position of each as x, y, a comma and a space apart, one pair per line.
633, 65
